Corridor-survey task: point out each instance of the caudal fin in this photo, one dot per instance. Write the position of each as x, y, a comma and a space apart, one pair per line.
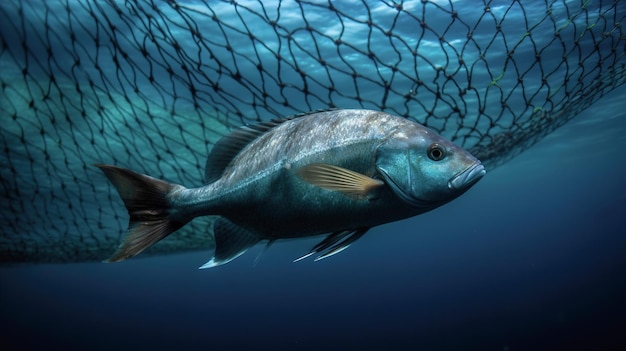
148, 206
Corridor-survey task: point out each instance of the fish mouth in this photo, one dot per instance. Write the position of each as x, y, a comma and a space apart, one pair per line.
468, 177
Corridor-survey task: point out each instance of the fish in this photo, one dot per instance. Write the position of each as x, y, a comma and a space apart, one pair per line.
336, 172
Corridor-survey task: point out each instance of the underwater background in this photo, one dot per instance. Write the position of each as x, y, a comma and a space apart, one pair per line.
533, 257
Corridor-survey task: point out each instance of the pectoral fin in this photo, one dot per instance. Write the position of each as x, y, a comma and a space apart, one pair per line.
339, 179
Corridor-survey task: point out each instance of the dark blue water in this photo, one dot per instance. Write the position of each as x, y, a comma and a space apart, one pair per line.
532, 258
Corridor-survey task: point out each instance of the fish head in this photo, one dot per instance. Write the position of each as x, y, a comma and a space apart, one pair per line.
423, 168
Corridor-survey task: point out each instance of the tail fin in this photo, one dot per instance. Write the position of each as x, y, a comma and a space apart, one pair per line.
147, 204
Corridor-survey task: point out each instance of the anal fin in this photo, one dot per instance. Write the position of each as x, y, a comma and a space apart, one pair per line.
231, 241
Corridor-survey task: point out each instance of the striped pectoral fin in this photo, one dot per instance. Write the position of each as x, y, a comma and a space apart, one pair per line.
339, 179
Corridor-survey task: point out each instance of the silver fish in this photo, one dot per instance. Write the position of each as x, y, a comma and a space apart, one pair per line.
339, 172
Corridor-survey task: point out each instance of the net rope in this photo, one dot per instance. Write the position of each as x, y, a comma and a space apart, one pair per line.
151, 85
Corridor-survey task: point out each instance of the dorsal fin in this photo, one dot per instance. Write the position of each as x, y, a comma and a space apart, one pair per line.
229, 146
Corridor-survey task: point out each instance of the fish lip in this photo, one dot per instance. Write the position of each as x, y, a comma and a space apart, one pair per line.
467, 177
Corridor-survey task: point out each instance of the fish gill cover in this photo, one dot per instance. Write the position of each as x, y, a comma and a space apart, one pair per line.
151, 85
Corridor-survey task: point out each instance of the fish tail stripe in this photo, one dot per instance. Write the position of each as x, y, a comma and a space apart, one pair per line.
148, 206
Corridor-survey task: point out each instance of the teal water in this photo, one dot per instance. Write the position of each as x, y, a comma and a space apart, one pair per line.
531, 258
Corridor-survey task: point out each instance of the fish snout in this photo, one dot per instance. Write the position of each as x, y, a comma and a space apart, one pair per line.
468, 177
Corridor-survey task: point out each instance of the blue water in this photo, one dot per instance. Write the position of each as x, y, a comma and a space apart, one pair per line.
532, 258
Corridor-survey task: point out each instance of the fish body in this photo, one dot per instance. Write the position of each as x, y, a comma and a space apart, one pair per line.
339, 172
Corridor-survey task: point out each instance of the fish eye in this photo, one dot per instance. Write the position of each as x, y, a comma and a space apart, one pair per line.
436, 152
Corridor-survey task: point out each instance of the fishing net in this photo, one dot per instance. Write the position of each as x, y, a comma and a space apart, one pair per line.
151, 85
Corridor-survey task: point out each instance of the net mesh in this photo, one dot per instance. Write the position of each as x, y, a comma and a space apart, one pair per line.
151, 85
